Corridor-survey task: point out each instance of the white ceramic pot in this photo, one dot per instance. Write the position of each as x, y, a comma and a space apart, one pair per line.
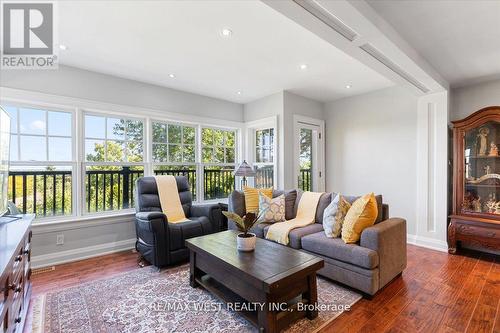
246, 244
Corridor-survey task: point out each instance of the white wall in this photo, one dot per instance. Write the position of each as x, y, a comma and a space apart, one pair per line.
268, 106
79, 83
467, 100
371, 147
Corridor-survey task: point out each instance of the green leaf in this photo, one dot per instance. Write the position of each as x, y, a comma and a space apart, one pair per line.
237, 219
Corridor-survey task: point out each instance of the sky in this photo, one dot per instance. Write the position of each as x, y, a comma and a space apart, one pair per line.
41, 133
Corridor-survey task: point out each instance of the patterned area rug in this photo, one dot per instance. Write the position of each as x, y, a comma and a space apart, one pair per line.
145, 300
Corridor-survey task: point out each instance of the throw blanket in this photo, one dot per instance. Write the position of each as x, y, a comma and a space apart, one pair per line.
169, 199
306, 214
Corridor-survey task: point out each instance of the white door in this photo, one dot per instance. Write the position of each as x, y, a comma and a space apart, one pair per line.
309, 152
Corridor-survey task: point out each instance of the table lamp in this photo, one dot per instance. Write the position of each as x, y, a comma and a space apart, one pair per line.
244, 170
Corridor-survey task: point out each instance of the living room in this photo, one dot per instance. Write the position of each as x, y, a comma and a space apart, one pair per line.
221, 166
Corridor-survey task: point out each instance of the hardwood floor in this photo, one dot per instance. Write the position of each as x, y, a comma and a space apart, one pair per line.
436, 293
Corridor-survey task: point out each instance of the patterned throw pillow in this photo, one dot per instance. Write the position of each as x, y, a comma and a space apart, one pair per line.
333, 217
272, 210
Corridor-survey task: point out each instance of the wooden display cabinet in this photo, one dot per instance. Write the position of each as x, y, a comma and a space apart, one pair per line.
476, 181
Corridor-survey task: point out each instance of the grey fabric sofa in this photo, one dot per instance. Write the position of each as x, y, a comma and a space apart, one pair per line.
368, 266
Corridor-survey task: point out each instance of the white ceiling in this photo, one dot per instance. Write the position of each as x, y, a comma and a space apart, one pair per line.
147, 40
460, 39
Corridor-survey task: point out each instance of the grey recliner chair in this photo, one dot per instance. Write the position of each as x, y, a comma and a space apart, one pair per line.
160, 242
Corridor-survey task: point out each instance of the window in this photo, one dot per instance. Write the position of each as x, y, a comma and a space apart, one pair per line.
47, 177
114, 158
174, 151
264, 157
42, 161
218, 156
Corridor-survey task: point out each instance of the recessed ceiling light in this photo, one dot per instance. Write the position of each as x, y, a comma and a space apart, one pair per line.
348, 86
63, 47
303, 67
226, 32
171, 76
239, 92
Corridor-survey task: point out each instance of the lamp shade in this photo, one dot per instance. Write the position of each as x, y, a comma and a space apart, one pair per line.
244, 170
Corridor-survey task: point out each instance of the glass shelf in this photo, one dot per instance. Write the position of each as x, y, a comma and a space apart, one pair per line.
482, 170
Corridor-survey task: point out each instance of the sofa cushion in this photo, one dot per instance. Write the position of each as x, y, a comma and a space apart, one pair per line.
290, 199
352, 198
360, 216
258, 229
324, 201
252, 197
271, 210
336, 248
295, 236
334, 215
179, 232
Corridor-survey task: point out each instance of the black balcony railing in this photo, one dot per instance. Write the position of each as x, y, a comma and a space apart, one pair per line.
264, 177
218, 183
305, 180
49, 193
45, 193
110, 189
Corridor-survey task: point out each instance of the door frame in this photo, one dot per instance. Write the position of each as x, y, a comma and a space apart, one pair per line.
298, 122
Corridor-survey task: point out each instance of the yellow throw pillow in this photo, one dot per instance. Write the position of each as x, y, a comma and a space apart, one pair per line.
252, 197
361, 215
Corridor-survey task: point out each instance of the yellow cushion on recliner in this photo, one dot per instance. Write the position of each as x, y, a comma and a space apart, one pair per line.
360, 216
252, 197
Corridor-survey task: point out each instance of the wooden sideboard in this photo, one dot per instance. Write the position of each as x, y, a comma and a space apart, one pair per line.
15, 278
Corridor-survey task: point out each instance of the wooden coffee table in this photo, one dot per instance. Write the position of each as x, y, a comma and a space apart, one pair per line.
272, 280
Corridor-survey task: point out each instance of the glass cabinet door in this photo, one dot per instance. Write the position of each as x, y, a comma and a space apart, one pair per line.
482, 170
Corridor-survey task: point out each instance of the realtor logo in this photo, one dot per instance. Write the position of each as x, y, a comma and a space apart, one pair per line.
28, 35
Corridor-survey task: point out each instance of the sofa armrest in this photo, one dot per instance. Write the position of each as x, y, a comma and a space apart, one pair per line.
388, 238
236, 204
151, 224
150, 216
212, 211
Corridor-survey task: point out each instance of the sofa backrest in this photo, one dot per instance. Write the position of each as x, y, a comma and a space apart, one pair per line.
324, 201
147, 199
292, 198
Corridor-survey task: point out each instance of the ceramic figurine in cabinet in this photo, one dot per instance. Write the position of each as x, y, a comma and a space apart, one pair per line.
483, 140
493, 150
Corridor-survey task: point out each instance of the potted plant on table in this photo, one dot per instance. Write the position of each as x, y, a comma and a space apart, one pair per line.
246, 239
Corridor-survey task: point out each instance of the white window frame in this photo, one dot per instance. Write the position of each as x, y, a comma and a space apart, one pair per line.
72, 164
180, 164
85, 163
202, 165
251, 129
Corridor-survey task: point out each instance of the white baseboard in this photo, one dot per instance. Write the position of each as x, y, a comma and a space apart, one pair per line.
62, 257
429, 243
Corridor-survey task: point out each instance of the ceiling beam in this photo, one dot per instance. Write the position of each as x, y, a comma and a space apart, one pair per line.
358, 30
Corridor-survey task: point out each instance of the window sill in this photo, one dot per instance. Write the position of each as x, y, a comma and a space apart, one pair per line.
80, 222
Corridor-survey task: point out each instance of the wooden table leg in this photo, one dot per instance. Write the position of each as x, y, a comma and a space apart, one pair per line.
267, 320
193, 271
312, 296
